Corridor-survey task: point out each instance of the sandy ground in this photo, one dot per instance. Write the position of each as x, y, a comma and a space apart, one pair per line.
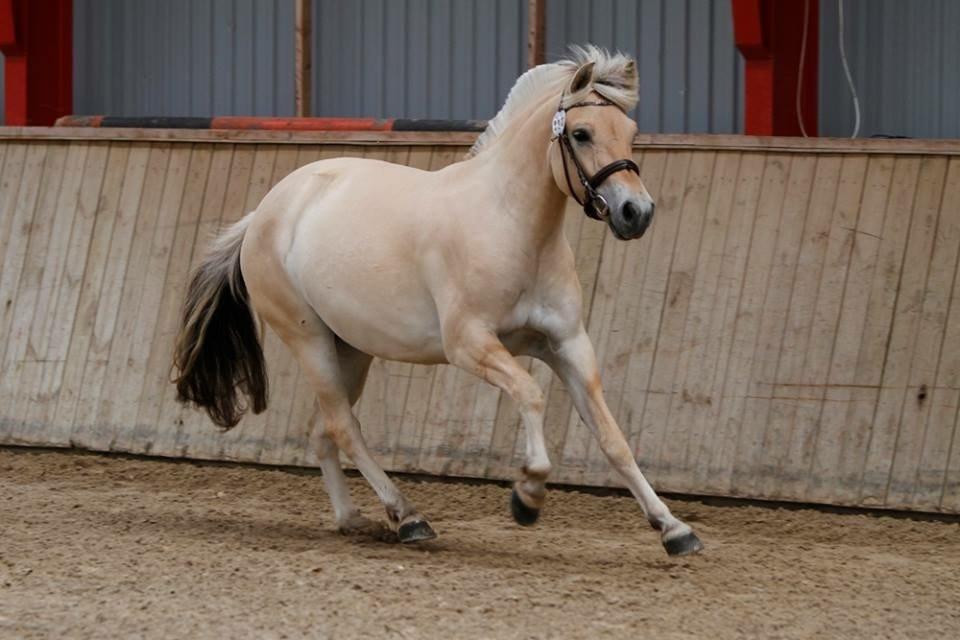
95, 547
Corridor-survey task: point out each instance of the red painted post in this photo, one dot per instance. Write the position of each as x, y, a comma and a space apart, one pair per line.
769, 35
36, 37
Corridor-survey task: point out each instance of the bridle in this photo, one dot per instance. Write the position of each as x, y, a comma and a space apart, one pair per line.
594, 205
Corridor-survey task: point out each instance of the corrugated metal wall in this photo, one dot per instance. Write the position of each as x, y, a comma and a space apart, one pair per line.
393, 58
183, 57
905, 61
691, 77
441, 59
417, 58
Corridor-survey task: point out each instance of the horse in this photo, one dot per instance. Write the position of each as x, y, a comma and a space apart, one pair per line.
348, 259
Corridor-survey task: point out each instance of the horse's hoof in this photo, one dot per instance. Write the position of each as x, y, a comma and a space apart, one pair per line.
683, 545
416, 531
523, 514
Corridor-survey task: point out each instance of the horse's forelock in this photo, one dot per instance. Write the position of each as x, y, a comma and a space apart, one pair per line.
614, 78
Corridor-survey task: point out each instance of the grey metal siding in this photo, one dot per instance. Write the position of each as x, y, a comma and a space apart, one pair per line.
394, 58
417, 58
183, 57
691, 76
905, 62
442, 59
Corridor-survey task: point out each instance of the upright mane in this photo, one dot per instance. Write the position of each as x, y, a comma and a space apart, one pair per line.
614, 78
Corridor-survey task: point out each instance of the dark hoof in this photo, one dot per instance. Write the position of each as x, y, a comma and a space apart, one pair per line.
523, 514
684, 545
416, 531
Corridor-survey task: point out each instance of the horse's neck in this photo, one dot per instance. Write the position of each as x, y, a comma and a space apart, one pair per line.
519, 167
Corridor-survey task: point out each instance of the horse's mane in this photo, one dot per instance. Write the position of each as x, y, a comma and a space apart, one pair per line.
614, 78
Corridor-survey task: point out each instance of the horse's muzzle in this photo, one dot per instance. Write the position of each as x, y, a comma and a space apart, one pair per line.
632, 219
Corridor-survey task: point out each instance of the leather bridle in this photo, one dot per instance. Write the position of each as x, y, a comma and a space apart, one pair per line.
594, 204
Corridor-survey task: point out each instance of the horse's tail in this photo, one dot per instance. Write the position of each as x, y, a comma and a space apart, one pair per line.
218, 354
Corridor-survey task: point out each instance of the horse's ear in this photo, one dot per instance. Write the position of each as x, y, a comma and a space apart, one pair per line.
582, 78
630, 69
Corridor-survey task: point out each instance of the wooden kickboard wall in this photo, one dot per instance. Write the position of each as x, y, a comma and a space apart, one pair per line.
788, 329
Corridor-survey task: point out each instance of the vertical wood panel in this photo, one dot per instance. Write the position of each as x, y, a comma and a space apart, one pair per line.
884, 336
147, 371
123, 206
820, 330
676, 303
121, 391
37, 385
746, 328
73, 385
922, 389
692, 388
771, 337
944, 398
901, 344
19, 366
761, 437
840, 442
791, 398
712, 439
64, 317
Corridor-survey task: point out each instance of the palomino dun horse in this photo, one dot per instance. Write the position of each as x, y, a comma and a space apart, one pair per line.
347, 259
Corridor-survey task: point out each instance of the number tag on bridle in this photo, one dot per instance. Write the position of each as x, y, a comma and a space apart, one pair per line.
559, 123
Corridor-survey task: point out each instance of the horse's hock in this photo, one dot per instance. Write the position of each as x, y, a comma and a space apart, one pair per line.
788, 330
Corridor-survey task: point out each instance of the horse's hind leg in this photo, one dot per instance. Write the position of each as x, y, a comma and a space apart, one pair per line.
329, 375
353, 366
345, 512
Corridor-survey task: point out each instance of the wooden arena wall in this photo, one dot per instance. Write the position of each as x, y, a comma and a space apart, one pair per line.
788, 329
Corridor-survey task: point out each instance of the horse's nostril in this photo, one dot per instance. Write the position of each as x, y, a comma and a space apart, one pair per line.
630, 212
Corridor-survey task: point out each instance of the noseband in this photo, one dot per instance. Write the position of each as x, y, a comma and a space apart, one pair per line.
594, 205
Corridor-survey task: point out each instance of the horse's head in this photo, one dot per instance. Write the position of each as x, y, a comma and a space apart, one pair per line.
591, 157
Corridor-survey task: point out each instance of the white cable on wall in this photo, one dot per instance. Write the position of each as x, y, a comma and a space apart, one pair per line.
803, 59
846, 71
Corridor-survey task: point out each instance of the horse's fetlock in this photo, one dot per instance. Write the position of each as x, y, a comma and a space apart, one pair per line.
538, 471
393, 514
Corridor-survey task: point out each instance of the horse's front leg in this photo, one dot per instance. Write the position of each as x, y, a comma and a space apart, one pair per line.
477, 350
573, 359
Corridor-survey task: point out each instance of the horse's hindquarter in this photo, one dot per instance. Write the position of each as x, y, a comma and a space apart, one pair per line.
356, 236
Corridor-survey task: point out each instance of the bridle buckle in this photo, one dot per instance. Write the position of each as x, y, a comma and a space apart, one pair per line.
599, 205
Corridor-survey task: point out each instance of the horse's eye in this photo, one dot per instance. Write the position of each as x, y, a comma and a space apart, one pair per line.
581, 135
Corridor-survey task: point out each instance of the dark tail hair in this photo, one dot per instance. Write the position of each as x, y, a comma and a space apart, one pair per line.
218, 354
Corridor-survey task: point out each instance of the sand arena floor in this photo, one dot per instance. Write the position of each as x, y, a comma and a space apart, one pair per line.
95, 547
